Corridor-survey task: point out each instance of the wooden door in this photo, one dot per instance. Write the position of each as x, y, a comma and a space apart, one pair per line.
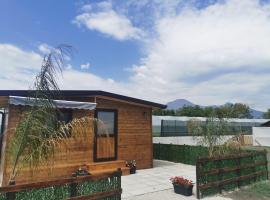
105, 143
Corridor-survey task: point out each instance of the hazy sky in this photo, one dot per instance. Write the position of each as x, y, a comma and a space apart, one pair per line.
209, 52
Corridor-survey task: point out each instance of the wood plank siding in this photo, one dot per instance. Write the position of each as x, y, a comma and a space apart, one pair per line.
134, 131
134, 141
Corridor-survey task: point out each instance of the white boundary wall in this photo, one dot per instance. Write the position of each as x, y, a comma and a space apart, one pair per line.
261, 136
181, 140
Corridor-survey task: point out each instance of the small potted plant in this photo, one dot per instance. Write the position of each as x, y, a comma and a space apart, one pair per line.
82, 171
182, 186
132, 166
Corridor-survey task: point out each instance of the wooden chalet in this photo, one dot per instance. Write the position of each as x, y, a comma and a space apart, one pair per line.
129, 121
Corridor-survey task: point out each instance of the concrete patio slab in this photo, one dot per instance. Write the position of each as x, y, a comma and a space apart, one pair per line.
170, 195
154, 183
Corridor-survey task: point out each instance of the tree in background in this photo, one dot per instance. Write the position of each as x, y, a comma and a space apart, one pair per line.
164, 112
237, 110
209, 133
266, 115
191, 111
241, 110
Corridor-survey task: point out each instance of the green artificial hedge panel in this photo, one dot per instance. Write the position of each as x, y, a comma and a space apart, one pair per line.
64, 191
186, 154
209, 165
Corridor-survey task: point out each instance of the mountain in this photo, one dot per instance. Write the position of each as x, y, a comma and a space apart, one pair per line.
256, 113
179, 103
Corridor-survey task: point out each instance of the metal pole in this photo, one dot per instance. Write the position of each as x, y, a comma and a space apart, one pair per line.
161, 129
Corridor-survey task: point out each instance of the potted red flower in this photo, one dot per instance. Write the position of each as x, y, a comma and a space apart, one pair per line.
132, 166
182, 186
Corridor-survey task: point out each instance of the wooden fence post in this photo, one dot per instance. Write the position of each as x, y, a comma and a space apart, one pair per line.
197, 180
158, 157
119, 172
11, 195
238, 171
266, 159
184, 153
220, 177
254, 168
170, 152
73, 189
161, 131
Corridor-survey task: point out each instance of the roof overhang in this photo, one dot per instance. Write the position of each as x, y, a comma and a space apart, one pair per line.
26, 101
85, 93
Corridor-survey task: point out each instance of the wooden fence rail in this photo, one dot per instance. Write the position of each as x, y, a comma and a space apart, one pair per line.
215, 174
92, 187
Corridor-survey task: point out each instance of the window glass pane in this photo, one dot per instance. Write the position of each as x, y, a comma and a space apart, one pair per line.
1, 115
65, 117
106, 123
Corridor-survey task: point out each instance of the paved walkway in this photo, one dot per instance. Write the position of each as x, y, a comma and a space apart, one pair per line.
154, 183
